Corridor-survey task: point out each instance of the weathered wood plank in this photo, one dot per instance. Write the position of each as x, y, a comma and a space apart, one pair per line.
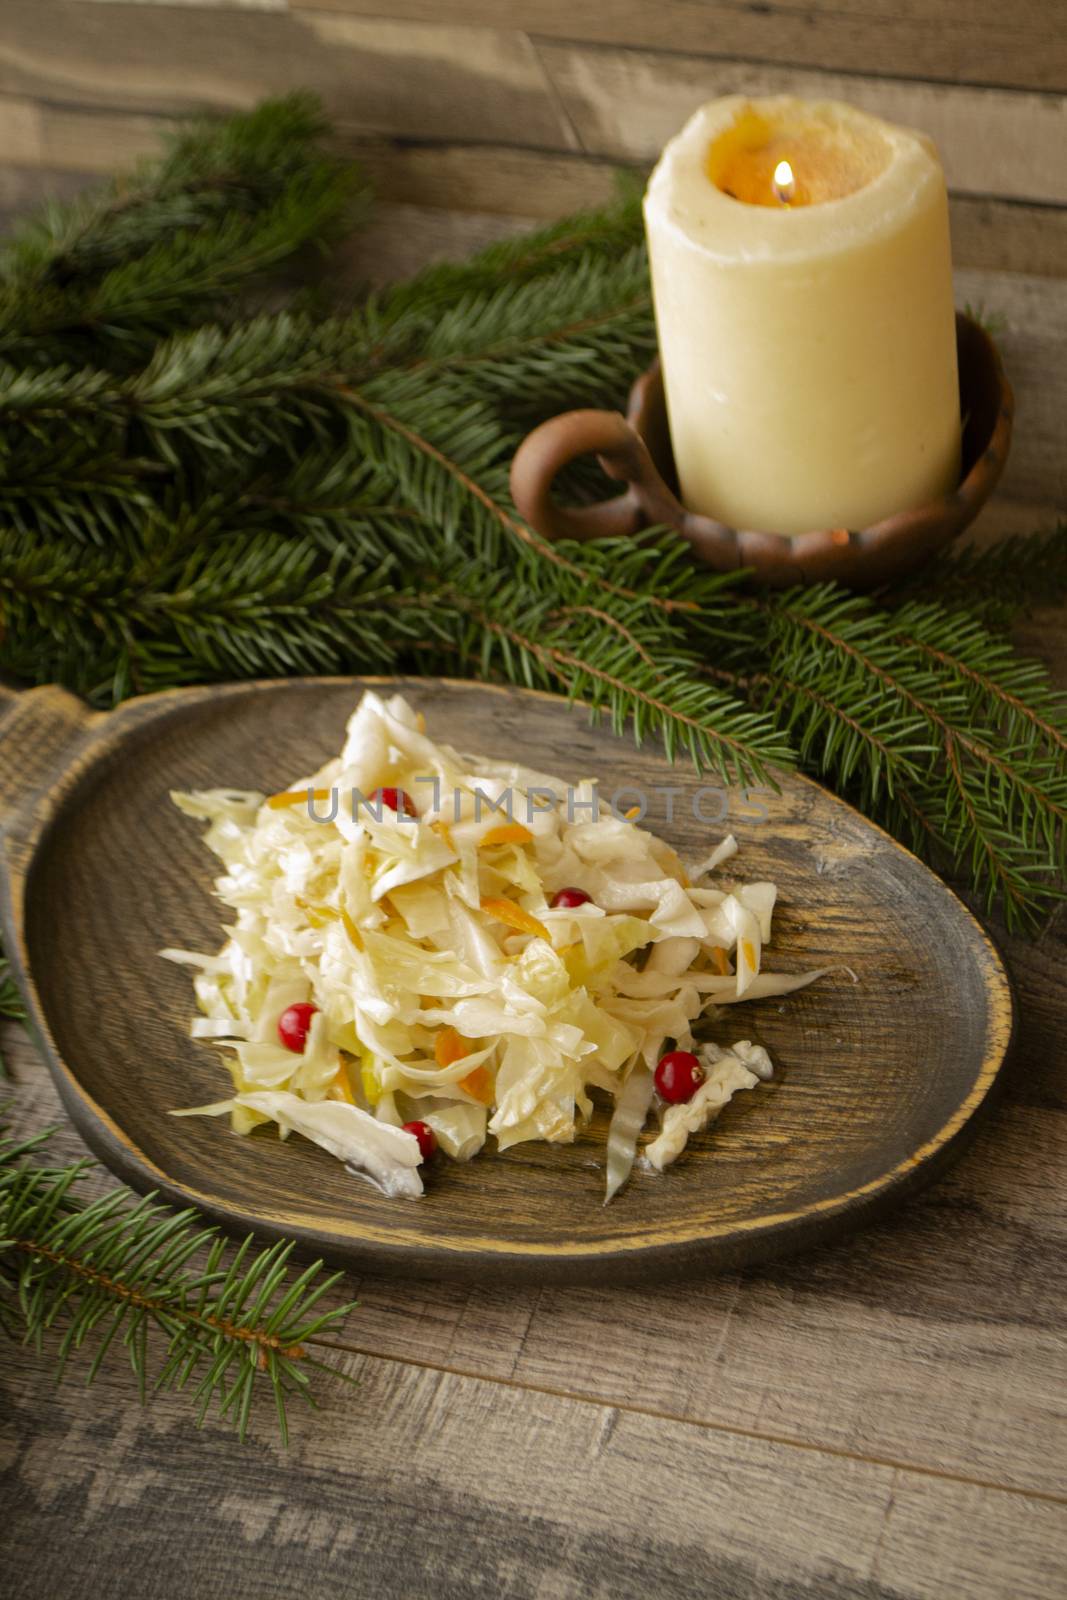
953, 40
1002, 517
424, 1483
628, 103
401, 239
995, 235
72, 139
422, 80
205, 5
1030, 315
434, 80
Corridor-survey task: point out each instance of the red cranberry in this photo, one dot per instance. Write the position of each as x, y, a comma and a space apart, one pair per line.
293, 1025
397, 800
567, 899
426, 1137
679, 1076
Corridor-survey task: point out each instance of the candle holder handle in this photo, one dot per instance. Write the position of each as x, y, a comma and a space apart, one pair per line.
623, 455
636, 450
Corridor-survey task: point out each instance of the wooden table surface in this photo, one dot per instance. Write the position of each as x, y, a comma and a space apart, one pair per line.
885, 1418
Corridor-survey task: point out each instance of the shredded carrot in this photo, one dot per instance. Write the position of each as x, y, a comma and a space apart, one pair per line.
506, 833
342, 1084
420, 722
318, 916
293, 797
634, 811
450, 1046
479, 1085
749, 953
721, 964
513, 916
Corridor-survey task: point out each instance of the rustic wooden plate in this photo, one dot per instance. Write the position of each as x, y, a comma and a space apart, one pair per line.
878, 1084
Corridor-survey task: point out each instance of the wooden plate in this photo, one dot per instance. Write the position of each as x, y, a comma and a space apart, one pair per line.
877, 1085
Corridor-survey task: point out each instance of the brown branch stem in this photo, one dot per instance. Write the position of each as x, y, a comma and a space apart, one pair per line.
1053, 734
123, 1291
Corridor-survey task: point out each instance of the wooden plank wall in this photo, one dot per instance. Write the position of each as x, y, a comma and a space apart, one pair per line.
527, 106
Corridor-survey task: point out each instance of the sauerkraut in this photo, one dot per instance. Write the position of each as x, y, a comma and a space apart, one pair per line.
408, 898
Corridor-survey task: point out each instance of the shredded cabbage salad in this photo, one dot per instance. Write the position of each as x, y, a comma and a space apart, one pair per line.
437, 980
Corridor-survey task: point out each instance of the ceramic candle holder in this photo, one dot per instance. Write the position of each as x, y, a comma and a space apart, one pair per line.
636, 450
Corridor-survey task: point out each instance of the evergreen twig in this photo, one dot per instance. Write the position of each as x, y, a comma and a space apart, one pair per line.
1001, 582
103, 277
941, 727
231, 1318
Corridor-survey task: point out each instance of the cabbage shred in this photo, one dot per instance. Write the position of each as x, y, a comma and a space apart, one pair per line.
449, 990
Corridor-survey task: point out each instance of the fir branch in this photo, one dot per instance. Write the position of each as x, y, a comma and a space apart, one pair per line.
993, 787
11, 1006
598, 234
580, 335
875, 746
628, 667
1012, 693
1000, 583
232, 1319
106, 275
80, 492
205, 601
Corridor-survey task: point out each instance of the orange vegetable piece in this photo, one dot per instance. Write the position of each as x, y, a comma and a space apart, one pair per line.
341, 1083
450, 1046
749, 953
479, 1085
513, 916
721, 963
506, 833
293, 797
445, 831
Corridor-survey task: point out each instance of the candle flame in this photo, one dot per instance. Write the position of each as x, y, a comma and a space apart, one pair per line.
784, 182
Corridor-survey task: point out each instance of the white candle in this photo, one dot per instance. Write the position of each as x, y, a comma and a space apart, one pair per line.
803, 289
